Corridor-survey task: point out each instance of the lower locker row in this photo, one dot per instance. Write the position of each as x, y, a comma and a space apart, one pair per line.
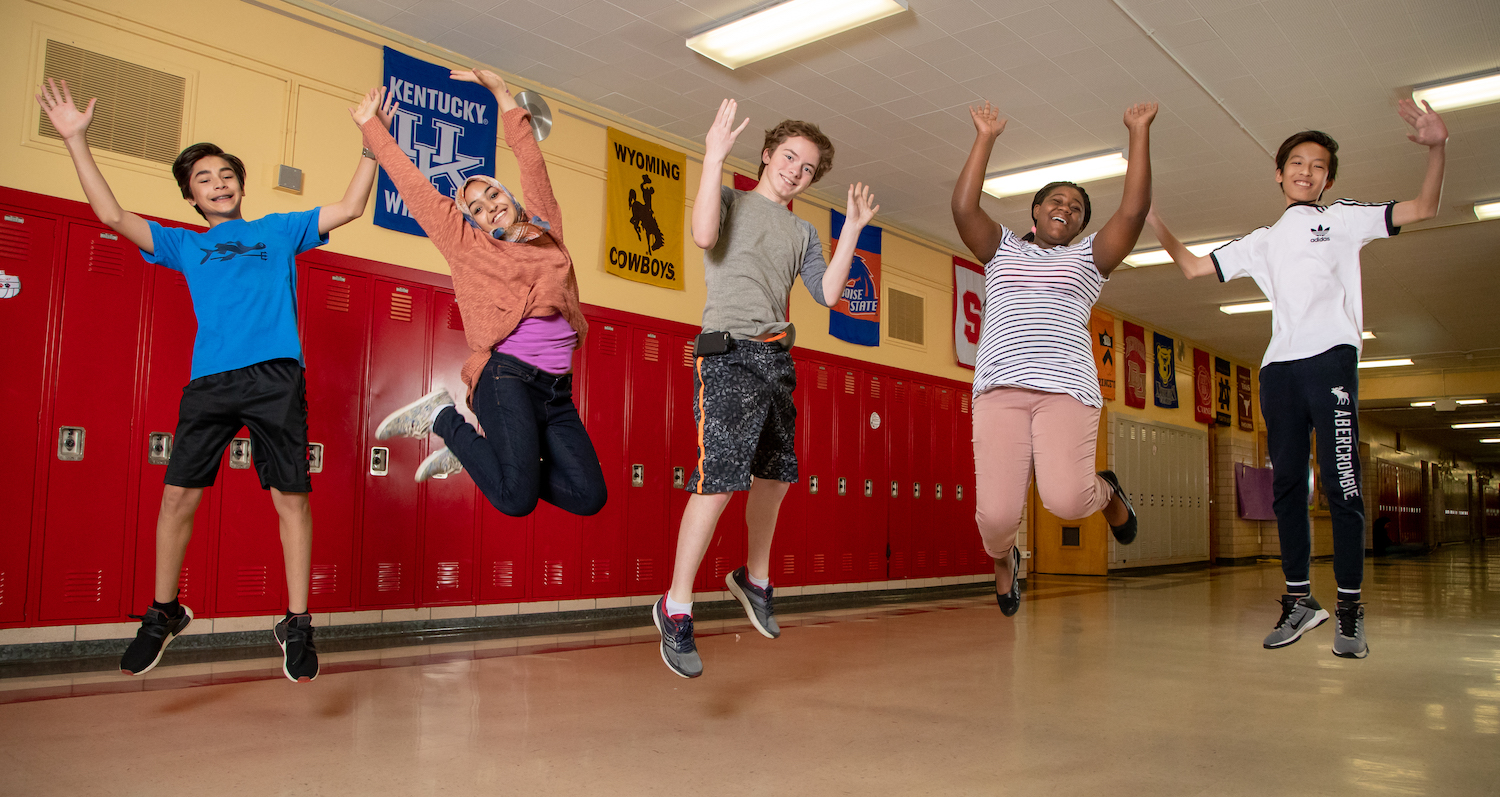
105, 343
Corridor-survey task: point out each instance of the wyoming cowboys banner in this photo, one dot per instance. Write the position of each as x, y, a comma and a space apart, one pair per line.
646, 197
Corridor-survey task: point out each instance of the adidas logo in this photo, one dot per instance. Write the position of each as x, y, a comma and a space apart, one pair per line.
1320, 233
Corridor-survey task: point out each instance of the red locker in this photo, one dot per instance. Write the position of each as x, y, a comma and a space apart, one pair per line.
682, 442
503, 555
819, 480
963, 459
899, 478
448, 522
648, 554
27, 249
167, 368
89, 431
607, 359
335, 326
941, 524
388, 569
919, 488
847, 493
874, 479
789, 548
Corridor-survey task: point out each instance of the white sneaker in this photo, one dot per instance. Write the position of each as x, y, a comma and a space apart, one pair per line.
415, 419
439, 464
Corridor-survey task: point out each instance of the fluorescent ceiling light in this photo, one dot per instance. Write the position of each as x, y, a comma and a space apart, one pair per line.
1460, 401
1489, 209
1385, 363
1076, 170
1465, 92
1367, 335
1157, 257
1248, 307
1490, 440
1485, 425
1423, 403
787, 26
1471, 401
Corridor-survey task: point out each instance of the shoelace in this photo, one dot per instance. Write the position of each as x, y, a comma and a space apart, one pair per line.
153, 622
1286, 611
303, 637
1349, 619
770, 600
682, 635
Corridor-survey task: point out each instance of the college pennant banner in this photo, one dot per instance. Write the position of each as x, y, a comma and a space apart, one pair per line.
645, 196
1102, 330
1164, 375
1135, 366
855, 317
1242, 382
1203, 387
447, 128
1223, 398
968, 310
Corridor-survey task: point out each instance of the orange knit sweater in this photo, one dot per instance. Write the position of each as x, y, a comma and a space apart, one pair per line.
497, 284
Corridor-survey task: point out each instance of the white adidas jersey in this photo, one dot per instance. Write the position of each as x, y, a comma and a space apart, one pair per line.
1307, 264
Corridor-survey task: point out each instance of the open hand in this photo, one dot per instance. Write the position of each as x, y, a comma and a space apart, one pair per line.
1140, 115
483, 77
57, 101
861, 208
1429, 128
721, 136
371, 107
987, 119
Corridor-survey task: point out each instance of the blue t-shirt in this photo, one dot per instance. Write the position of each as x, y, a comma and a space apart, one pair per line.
243, 279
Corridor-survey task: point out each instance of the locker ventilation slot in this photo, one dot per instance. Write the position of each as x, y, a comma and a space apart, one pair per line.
599, 570
84, 586
874, 387
325, 579
819, 563
2, 587
250, 582
846, 563
906, 316
388, 577
455, 321
875, 562
503, 575
183, 583
789, 565
15, 242
921, 395
400, 307
139, 111
337, 298
179, 280
945, 400
105, 259
898, 562
552, 574
608, 341
921, 558
449, 575
963, 403
645, 571
822, 378
942, 558
687, 354
849, 382
651, 351
721, 567
900, 394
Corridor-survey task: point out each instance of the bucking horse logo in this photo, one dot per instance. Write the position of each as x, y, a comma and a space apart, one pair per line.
1340, 394
231, 250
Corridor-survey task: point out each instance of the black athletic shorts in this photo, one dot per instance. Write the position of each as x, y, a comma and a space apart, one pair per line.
742, 401
269, 399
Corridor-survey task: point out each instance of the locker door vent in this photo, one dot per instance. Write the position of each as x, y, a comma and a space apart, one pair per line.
449, 575
721, 567
906, 316
15, 242
2, 587
645, 570
942, 558
139, 111
609, 343
963, 403
900, 394
963, 560
503, 574
687, 354
388, 577
83, 586
552, 573
921, 558
337, 298
251, 582
789, 565
651, 351
945, 400
401, 307
105, 259
874, 387
822, 378
325, 579
455, 320
599, 571
179, 280
184, 584
846, 563
849, 382
921, 395
875, 562
819, 563
898, 562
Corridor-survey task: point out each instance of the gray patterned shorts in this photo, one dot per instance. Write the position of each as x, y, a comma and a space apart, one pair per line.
742, 402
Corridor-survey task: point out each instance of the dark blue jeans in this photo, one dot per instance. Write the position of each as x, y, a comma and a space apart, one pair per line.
534, 445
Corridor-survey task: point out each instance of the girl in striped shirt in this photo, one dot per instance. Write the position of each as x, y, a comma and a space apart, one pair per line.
1036, 390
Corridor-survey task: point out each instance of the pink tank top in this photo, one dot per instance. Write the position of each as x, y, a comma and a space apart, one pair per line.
546, 343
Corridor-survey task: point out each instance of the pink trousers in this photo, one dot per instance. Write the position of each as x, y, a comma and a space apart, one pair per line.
1016, 429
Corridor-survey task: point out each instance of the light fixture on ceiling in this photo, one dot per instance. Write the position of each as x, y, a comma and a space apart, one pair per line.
1366, 335
1423, 403
1483, 425
1490, 440
787, 26
1486, 210
1157, 257
1392, 363
1247, 307
1472, 401
1097, 166
1464, 92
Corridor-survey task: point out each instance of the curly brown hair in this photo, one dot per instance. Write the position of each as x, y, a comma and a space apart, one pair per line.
791, 128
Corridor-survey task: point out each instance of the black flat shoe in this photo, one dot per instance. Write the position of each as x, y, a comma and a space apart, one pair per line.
1125, 532
1010, 602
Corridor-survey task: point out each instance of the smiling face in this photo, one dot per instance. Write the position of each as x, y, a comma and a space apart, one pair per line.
214, 189
1307, 172
789, 168
1059, 216
490, 207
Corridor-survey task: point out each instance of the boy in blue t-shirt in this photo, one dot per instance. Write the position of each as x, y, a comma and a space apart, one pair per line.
247, 360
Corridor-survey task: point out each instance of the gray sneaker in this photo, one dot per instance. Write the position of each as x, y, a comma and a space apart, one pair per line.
415, 419
1349, 642
440, 464
760, 604
1298, 616
678, 648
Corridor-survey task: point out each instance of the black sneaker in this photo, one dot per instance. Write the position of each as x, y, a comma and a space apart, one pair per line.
1125, 532
760, 604
299, 657
678, 649
1010, 602
156, 632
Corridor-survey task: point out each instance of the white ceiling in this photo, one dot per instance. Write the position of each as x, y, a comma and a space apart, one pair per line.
893, 96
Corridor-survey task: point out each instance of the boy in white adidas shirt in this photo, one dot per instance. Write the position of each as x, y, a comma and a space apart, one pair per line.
1307, 264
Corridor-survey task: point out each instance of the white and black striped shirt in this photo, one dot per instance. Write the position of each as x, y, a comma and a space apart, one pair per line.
1036, 319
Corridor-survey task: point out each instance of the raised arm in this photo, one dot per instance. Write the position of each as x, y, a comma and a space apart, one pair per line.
73, 126
1192, 265
1123, 229
357, 195
716, 147
436, 214
536, 186
1430, 132
979, 232
859, 211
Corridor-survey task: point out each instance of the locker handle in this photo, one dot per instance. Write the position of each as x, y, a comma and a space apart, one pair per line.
70, 443
869, 488
314, 457
240, 453
895, 489
159, 448
812, 485
937, 492
958, 492
679, 480
843, 486
637, 475
380, 460
916, 489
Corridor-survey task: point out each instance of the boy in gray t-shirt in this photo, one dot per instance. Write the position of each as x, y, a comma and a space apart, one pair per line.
743, 376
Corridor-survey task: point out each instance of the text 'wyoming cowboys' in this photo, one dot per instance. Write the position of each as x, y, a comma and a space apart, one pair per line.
645, 211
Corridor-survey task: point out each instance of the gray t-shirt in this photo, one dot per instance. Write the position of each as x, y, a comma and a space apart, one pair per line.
762, 248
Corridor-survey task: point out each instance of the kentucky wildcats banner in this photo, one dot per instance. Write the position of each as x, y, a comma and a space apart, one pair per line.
855, 317
1164, 375
447, 128
645, 194
968, 310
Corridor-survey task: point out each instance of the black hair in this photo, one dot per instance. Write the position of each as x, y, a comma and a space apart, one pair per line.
1318, 137
1088, 209
182, 168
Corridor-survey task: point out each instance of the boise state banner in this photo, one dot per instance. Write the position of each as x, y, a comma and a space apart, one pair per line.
1135, 366
1164, 375
447, 127
968, 310
855, 317
1223, 398
645, 193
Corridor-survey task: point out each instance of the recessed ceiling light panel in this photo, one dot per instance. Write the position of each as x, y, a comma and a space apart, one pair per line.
1098, 166
787, 26
1392, 363
1464, 92
1483, 425
1247, 307
1157, 257
1489, 209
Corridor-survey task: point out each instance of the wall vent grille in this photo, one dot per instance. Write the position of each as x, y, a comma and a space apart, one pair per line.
907, 317
140, 109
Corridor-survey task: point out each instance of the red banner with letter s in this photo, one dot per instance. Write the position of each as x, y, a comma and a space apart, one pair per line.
968, 309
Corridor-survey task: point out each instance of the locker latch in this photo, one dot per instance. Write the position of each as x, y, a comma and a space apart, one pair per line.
314, 457
843, 485
869, 488
916, 489
637, 475
70, 443
937, 492
958, 492
239, 453
895, 489
380, 460
159, 448
679, 478
812, 485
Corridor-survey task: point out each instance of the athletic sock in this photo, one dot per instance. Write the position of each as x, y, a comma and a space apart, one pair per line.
290, 614
673, 608
759, 582
1348, 595
439, 411
1301, 589
171, 609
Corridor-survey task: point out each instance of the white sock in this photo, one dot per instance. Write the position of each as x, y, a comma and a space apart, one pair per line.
759, 582
674, 608
438, 411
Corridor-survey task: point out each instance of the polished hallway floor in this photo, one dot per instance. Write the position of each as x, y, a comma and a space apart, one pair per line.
1150, 685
